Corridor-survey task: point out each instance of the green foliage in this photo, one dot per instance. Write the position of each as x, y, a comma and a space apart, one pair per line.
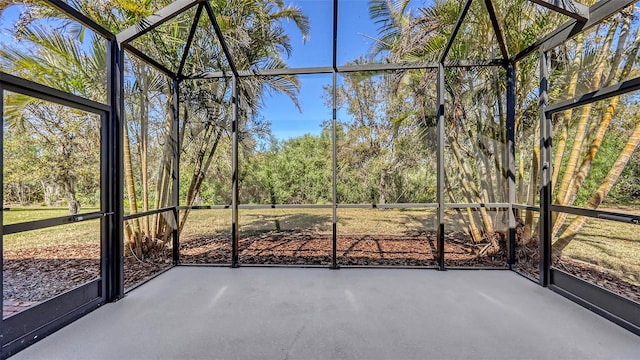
627, 189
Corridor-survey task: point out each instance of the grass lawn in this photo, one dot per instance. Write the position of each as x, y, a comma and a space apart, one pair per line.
612, 245
87, 232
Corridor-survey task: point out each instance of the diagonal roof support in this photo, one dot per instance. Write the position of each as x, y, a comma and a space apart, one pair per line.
570, 8
192, 34
598, 13
496, 27
169, 12
163, 69
223, 43
454, 33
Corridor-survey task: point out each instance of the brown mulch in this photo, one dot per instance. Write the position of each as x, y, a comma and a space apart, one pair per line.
528, 257
35, 275
301, 248
598, 276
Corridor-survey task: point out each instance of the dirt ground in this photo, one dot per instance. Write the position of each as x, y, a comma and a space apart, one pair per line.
527, 259
34, 275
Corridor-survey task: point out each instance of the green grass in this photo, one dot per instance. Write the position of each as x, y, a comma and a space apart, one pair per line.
612, 245
203, 223
85, 233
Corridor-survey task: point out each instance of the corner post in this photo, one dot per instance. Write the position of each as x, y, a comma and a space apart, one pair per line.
546, 171
175, 173
113, 184
510, 159
440, 167
235, 178
334, 138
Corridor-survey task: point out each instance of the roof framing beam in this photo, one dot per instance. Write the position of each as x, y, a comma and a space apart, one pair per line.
344, 69
192, 33
496, 27
163, 69
223, 43
167, 13
597, 13
454, 33
570, 8
86, 21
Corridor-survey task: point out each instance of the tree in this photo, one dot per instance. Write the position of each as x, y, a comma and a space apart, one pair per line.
64, 137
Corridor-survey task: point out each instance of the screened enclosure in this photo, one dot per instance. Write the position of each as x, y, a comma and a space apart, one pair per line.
494, 134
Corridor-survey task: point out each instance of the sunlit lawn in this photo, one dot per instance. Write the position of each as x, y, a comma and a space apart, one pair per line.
87, 232
613, 245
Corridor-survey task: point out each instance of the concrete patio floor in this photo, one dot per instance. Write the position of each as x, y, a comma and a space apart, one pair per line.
278, 313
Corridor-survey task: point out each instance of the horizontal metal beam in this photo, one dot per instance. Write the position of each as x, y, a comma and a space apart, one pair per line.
259, 72
597, 13
146, 58
343, 69
569, 8
389, 206
498, 206
39, 91
46, 223
602, 301
598, 214
386, 67
313, 206
526, 207
204, 207
169, 12
602, 94
149, 213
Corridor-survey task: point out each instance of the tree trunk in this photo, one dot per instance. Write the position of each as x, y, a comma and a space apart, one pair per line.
144, 149
134, 237
533, 189
604, 188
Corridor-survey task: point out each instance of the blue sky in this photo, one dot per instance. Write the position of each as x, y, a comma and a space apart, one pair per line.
355, 31
355, 38
356, 34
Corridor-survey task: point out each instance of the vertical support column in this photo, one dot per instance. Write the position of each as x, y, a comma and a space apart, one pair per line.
510, 159
334, 161
546, 172
235, 179
175, 173
334, 137
1, 215
440, 167
113, 185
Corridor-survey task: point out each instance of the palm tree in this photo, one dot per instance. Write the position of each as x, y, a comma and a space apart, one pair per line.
57, 59
254, 31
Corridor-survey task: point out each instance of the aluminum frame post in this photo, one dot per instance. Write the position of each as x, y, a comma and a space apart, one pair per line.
440, 166
546, 172
334, 175
334, 138
2, 214
175, 173
510, 159
115, 179
235, 177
